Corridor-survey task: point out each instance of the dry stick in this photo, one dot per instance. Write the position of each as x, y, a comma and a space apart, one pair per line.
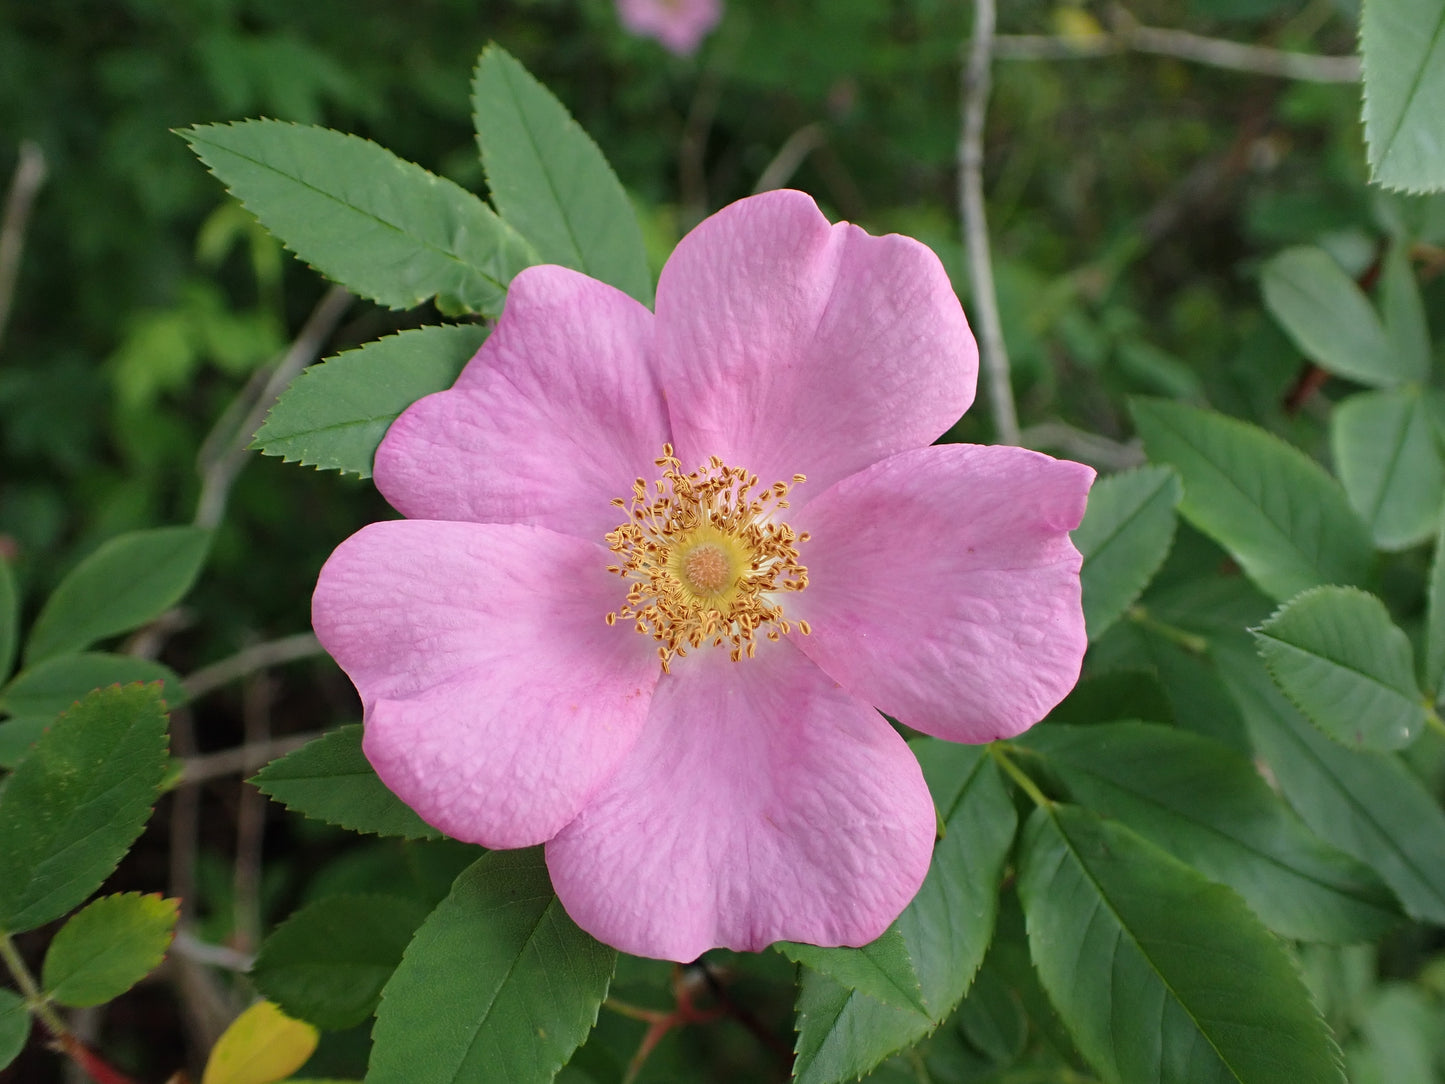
974, 99
241, 760
303, 645
251, 820
29, 176
790, 156
220, 474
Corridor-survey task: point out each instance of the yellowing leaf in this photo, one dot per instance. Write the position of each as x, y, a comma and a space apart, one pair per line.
262, 1045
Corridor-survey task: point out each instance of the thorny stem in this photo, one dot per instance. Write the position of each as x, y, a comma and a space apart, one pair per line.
999, 752
992, 350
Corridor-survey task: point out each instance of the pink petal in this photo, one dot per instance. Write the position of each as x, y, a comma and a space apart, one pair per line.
943, 588
496, 697
557, 414
791, 346
761, 803
680, 25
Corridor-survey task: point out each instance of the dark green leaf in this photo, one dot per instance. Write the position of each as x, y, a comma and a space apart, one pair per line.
9, 619
1337, 655
498, 984
1404, 312
1367, 804
1125, 536
1161, 976
331, 780
843, 1033
382, 227
550, 182
334, 415
1205, 804
77, 802
1402, 43
17, 736
14, 1026
107, 947
327, 963
128, 581
1434, 676
52, 686
882, 969
1275, 510
1329, 317
1389, 461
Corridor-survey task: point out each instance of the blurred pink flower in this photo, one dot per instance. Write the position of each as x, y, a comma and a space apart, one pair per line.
680, 25
657, 570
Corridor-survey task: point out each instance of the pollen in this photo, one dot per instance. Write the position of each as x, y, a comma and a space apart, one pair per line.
706, 559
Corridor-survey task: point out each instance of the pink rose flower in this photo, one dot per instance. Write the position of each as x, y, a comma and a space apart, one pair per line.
658, 570
680, 25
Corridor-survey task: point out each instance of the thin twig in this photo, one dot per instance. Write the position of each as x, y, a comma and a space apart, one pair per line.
241, 760
261, 656
992, 351
1129, 35
220, 474
29, 176
193, 948
790, 156
1090, 448
251, 820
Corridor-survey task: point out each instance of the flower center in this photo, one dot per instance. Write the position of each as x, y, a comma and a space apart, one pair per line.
704, 558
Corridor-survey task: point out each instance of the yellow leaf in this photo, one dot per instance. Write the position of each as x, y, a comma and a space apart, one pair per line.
262, 1045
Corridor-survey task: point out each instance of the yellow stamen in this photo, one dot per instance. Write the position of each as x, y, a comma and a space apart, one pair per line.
704, 558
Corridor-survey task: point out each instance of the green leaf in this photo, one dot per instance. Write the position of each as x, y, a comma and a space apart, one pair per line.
1329, 317
844, 1033
882, 969
550, 181
1389, 461
129, 580
1161, 976
1402, 43
75, 805
52, 686
1337, 655
1404, 311
327, 963
382, 227
1434, 663
107, 947
1275, 510
18, 735
331, 780
334, 414
14, 1026
498, 984
1124, 537
9, 619
1367, 804
1206, 804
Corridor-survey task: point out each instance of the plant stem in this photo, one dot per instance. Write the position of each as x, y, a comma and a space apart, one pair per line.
1028, 786
34, 999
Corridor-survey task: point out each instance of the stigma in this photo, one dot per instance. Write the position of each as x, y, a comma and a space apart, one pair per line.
706, 558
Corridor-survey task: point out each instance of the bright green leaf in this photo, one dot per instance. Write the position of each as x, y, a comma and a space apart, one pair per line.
1274, 509
1402, 43
1367, 804
129, 580
107, 947
382, 227
882, 969
327, 963
497, 984
1434, 664
9, 619
1125, 536
14, 1026
550, 182
52, 686
1161, 976
334, 414
843, 1033
331, 780
1389, 461
1329, 317
1206, 804
1336, 654
262, 1045
75, 805
1404, 312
